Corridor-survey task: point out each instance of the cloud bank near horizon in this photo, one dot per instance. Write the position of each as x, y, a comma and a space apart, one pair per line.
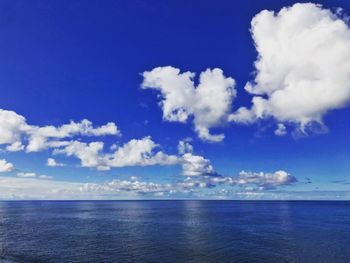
33, 186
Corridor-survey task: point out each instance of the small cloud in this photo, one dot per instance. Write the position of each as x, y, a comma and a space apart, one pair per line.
281, 129
184, 147
5, 166
265, 181
53, 163
26, 175
33, 175
43, 176
196, 165
15, 147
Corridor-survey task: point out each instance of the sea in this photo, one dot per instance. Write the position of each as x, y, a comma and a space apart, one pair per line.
175, 231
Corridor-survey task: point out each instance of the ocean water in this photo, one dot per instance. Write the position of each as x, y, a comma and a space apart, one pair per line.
175, 231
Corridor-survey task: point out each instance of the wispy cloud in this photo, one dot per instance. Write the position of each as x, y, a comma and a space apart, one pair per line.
344, 182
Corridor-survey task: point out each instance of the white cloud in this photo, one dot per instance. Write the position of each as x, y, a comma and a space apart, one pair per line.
134, 186
12, 126
209, 102
43, 176
40, 137
140, 152
15, 147
53, 163
303, 66
90, 154
281, 129
15, 132
5, 166
250, 181
32, 186
26, 175
133, 178
196, 165
33, 175
266, 180
204, 181
184, 147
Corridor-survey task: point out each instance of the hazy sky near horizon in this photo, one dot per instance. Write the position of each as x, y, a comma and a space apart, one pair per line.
174, 99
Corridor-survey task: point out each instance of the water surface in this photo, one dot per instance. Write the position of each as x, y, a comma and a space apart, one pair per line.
175, 231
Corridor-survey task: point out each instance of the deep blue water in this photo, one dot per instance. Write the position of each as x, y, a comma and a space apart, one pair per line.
175, 231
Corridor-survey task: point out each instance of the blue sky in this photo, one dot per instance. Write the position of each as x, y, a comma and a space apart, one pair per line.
65, 61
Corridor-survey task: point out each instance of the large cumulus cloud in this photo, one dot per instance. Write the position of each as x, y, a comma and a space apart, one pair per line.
209, 103
303, 66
